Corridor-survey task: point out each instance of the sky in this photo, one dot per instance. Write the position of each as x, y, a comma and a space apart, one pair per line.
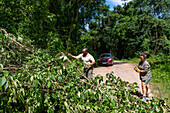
113, 3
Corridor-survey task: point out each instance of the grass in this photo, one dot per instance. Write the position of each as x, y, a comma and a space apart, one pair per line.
161, 79
160, 82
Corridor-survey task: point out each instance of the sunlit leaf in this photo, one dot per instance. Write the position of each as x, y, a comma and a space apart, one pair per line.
6, 86
49, 84
6, 73
60, 79
2, 81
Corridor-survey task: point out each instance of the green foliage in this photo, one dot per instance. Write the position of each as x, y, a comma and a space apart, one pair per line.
141, 25
162, 71
10, 53
48, 23
49, 85
127, 31
160, 76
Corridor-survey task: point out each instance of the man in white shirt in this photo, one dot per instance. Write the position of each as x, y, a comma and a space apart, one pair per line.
88, 61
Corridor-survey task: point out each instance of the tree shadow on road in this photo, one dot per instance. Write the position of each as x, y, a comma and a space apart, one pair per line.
104, 65
117, 63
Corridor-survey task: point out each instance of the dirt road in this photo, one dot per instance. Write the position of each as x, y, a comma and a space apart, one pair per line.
121, 69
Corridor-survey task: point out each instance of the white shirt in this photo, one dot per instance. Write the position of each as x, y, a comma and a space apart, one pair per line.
88, 59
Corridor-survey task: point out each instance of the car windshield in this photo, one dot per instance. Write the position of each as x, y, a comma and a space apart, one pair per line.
105, 55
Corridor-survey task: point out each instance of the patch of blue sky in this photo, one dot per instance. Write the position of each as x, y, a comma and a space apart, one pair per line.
113, 3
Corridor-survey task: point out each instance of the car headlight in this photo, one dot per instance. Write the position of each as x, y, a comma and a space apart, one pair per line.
109, 59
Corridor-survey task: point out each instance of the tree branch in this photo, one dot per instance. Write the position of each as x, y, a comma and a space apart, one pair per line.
15, 68
16, 41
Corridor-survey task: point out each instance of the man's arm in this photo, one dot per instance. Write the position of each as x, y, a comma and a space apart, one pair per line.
72, 56
92, 61
92, 64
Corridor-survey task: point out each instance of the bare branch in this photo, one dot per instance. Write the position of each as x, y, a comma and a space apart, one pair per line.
8, 68
3, 30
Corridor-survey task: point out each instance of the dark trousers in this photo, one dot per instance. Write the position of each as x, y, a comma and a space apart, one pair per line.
88, 72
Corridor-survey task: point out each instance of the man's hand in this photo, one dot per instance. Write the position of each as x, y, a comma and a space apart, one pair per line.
69, 54
91, 64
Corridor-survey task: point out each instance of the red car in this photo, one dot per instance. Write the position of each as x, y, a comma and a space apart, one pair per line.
106, 59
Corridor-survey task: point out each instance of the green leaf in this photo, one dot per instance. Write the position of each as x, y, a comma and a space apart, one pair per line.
119, 92
32, 77
2, 81
66, 105
53, 77
82, 95
65, 58
6, 73
1, 68
72, 100
35, 83
78, 94
59, 78
6, 85
49, 84
40, 76
21, 97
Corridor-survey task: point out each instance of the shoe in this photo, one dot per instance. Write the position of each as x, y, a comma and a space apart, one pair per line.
147, 94
144, 98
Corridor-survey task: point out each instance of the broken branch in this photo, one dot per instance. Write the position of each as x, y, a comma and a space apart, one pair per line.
16, 41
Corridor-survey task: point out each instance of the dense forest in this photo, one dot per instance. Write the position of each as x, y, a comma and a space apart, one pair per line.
136, 26
36, 35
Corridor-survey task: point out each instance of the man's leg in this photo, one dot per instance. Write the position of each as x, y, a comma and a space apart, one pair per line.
85, 73
90, 73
